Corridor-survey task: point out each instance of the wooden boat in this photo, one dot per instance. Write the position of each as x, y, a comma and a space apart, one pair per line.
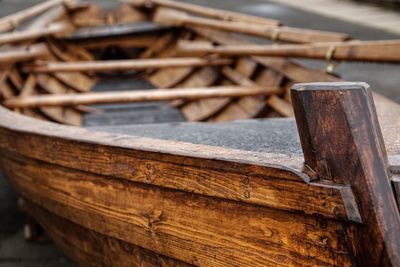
147, 184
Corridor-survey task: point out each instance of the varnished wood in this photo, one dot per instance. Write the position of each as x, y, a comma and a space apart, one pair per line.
342, 143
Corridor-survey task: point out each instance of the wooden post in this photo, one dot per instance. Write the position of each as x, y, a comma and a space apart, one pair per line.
342, 143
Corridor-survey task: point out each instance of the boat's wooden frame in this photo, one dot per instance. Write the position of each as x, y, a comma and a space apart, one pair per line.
110, 199
191, 210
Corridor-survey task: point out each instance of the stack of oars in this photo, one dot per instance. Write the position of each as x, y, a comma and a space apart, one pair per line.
53, 56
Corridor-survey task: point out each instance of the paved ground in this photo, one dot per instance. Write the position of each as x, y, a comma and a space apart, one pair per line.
385, 79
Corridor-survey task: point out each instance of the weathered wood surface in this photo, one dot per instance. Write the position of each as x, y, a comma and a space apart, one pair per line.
172, 17
374, 51
343, 116
211, 175
93, 249
170, 172
190, 227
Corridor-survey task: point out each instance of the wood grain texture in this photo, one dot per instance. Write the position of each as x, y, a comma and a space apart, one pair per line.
193, 228
193, 168
90, 248
342, 142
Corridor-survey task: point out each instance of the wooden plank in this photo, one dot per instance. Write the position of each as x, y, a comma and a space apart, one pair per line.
88, 247
118, 65
69, 52
281, 106
133, 96
12, 21
206, 11
203, 77
90, 16
55, 14
369, 51
169, 77
6, 91
171, 17
244, 107
29, 35
21, 54
16, 79
189, 227
343, 116
128, 14
293, 71
78, 81
64, 115
203, 109
162, 42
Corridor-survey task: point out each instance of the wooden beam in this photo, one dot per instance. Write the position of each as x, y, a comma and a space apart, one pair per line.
21, 54
136, 96
206, 11
376, 51
120, 65
20, 36
173, 17
12, 21
343, 144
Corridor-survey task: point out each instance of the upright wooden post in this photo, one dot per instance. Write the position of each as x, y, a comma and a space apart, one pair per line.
342, 143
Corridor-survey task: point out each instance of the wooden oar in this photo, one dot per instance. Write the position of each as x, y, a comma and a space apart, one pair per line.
123, 65
136, 96
53, 29
172, 17
32, 52
14, 20
374, 51
206, 11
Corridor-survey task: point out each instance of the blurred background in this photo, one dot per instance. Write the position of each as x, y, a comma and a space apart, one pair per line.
363, 19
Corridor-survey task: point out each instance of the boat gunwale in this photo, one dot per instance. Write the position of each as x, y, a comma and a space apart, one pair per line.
24, 124
181, 155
